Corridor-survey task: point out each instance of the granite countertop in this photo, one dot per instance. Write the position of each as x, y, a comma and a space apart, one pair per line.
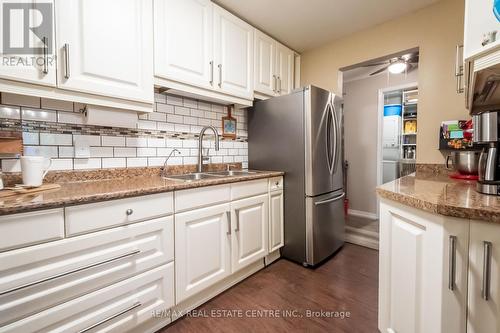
438, 193
80, 192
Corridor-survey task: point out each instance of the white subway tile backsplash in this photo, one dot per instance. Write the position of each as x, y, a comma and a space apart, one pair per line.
197, 113
172, 118
20, 100
113, 141
13, 165
204, 106
86, 163
216, 159
146, 124
90, 140
54, 104
156, 142
114, 163
136, 142
30, 138
174, 143
180, 110
159, 161
228, 159
190, 160
136, 162
204, 122
10, 112
160, 98
125, 152
47, 151
50, 139
210, 115
157, 116
190, 103
174, 161
165, 127
227, 144
62, 164
70, 117
146, 152
39, 115
164, 108
219, 108
101, 151
190, 121
174, 100
232, 151
182, 128
190, 144
66, 152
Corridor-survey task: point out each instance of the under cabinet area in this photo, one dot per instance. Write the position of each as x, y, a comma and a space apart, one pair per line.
437, 273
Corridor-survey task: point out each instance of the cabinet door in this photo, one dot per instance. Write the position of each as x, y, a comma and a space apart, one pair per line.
284, 69
249, 219
202, 249
422, 271
39, 64
183, 41
484, 312
480, 20
105, 47
233, 54
265, 63
276, 221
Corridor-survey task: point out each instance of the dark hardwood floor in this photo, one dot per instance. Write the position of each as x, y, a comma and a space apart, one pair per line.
348, 282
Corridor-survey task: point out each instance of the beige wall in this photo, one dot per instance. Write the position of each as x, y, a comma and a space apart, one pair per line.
436, 30
361, 135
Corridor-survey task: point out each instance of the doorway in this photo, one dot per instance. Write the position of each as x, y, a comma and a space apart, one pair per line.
368, 88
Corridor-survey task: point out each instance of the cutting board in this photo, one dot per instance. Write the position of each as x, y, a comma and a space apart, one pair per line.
11, 191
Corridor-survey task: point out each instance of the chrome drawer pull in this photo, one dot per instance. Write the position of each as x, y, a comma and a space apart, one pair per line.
485, 288
45, 55
130, 308
452, 256
228, 222
66, 61
76, 270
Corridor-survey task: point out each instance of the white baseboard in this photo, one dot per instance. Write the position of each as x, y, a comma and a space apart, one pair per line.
363, 214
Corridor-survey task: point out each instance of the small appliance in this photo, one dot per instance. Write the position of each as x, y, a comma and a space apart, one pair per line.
487, 133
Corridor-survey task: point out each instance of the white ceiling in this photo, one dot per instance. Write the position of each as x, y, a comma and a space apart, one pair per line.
305, 24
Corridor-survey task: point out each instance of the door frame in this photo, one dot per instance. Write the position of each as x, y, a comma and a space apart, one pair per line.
380, 120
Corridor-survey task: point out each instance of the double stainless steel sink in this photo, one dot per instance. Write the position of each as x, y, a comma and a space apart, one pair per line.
190, 177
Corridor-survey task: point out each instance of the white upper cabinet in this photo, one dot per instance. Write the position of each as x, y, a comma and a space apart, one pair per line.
105, 47
274, 66
233, 54
481, 27
284, 69
16, 65
265, 63
183, 41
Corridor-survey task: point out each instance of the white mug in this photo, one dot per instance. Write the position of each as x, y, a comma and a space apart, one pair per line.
33, 171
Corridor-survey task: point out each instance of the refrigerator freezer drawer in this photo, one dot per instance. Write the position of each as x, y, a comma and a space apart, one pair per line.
325, 226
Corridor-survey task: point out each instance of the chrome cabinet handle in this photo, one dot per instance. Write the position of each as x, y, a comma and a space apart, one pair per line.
129, 212
76, 270
452, 256
211, 73
66, 61
330, 200
237, 229
279, 82
130, 308
45, 55
459, 69
274, 84
228, 222
220, 75
485, 289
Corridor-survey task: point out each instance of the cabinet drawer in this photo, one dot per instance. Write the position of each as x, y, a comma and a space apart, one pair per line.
41, 276
20, 230
122, 307
201, 197
249, 188
275, 184
85, 218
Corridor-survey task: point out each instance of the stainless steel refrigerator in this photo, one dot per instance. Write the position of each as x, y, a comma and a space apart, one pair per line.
302, 134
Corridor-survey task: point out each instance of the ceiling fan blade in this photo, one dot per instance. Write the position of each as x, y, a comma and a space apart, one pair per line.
379, 71
376, 64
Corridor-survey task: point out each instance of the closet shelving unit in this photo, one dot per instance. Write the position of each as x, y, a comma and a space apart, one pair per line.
408, 137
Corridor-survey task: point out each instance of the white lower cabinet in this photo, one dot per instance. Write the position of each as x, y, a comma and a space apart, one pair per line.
422, 271
276, 221
484, 278
202, 249
249, 219
126, 306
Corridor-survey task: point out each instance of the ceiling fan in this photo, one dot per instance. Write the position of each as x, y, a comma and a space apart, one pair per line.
397, 65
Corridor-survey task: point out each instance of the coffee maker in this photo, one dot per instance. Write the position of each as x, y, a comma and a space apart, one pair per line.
487, 134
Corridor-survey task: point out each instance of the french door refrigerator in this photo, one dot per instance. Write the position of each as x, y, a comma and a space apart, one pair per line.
302, 134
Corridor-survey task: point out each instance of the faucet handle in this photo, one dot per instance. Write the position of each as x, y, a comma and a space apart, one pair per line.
228, 166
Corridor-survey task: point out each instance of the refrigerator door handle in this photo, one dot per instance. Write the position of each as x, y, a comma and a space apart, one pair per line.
330, 200
335, 138
329, 151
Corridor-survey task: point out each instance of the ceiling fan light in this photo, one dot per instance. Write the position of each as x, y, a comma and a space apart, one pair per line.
398, 67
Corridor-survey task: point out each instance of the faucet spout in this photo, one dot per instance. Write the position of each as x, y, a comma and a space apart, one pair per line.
200, 144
